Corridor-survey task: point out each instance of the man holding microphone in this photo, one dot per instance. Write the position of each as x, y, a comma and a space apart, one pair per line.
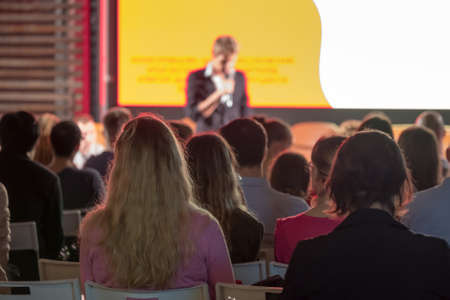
217, 94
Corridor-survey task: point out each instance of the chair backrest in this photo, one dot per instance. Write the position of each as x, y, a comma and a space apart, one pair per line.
71, 220
226, 291
58, 270
251, 272
276, 268
24, 236
96, 291
42, 290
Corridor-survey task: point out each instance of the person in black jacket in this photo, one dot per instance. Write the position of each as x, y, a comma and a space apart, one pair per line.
34, 192
216, 186
370, 255
217, 94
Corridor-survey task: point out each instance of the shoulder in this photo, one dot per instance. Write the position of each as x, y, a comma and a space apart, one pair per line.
245, 218
201, 219
89, 172
291, 220
290, 200
41, 173
90, 228
197, 74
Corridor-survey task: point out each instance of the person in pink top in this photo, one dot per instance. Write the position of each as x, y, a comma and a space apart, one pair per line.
149, 234
314, 222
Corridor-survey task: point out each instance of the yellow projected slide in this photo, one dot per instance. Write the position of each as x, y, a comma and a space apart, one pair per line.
160, 42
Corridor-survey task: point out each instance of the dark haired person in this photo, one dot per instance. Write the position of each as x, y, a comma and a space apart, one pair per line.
81, 189
113, 122
422, 157
217, 94
279, 139
249, 141
369, 255
220, 194
314, 222
377, 122
434, 121
34, 192
182, 131
290, 174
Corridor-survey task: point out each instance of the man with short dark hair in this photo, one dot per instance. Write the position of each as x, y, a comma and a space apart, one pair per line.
248, 140
34, 192
81, 189
217, 94
113, 122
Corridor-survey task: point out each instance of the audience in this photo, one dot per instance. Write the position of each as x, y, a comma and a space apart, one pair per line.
42, 152
421, 153
113, 122
378, 122
279, 138
220, 194
149, 234
182, 131
369, 255
5, 233
34, 192
316, 221
81, 189
434, 121
248, 140
89, 145
349, 127
290, 174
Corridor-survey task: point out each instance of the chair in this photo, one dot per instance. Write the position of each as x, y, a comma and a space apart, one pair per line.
58, 270
42, 290
251, 272
268, 255
24, 252
24, 236
71, 220
96, 291
276, 268
237, 291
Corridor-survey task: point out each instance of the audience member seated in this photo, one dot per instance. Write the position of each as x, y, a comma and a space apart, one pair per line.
421, 153
429, 212
378, 122
43, 152
89, 145
113, 122
369, 255
220, 194
81, 189
279, 139
316, 221
349, 127
182, 131
149, 234
248, 139
434, 121
5, 233
290, 174
34, 192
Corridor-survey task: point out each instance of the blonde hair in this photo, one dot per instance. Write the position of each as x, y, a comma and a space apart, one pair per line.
225, 45
43, 151
144, 220
212, 165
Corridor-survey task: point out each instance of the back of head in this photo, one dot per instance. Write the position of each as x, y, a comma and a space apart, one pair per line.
377, 123
323, 153
368, 169
248, 140
114, 120
225, 45
290, 174
147, 205
212, 166
433, 121
18, 132
182, 131
43, 152
421, 153
276, 130
65, 138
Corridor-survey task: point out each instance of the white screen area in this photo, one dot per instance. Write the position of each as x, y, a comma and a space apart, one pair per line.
386, 54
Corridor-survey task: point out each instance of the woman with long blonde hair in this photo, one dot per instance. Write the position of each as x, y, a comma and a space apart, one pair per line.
212, 165
149, 234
